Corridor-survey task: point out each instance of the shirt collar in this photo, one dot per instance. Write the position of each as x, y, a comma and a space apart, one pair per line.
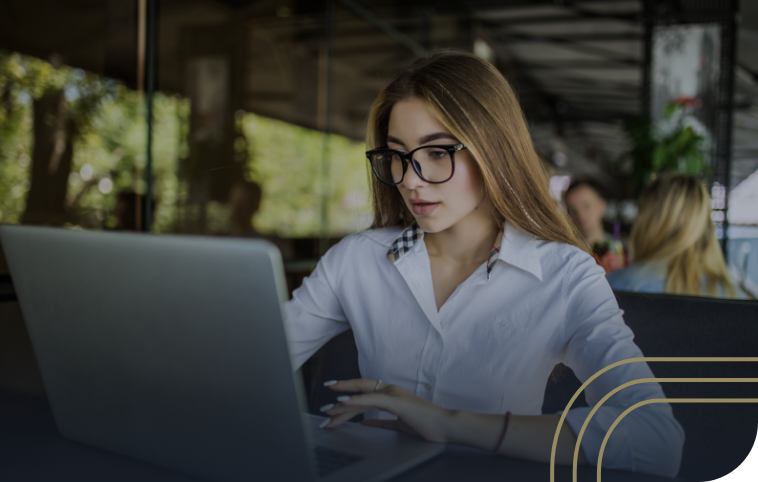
519, 249
513, 246
405, 242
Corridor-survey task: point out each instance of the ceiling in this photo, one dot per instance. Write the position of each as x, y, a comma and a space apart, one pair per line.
577, 65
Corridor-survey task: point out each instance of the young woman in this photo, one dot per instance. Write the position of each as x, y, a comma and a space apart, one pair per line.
674, 243
472, 285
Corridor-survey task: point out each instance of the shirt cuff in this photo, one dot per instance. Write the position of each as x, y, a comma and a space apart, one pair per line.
618, 452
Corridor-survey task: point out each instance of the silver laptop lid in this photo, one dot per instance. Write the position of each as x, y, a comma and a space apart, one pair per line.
164, 348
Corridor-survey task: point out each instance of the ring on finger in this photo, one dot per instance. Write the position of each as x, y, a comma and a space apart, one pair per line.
377, 385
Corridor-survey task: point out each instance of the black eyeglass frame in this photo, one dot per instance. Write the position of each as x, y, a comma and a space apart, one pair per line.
408, 157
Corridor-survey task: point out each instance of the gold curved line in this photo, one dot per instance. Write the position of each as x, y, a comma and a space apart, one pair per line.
589, 417
662, 400
624, 362
636, 382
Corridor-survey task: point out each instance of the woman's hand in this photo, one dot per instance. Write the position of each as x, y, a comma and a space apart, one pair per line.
414, 414
528, 437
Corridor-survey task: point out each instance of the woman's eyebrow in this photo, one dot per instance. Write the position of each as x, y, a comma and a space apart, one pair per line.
395, 140
435, 136
424, 139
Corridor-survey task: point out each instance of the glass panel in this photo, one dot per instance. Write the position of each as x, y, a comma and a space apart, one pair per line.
285, 160
72, 143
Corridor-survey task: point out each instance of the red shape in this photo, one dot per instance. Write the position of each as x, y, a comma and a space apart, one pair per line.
686, 101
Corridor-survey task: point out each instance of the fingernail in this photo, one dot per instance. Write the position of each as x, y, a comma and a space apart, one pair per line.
326, 407
343, 398
324, 423
330, 383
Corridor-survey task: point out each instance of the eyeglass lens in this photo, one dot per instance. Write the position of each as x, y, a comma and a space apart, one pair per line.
433, 164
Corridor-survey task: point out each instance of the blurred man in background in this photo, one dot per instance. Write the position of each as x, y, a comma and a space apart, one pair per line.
126, 213
587, 207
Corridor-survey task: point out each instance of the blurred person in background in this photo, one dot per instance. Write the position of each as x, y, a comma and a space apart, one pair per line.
244, 201
127, 216
673, 243
586, 206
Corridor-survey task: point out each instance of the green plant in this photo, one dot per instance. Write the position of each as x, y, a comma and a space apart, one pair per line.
681, 149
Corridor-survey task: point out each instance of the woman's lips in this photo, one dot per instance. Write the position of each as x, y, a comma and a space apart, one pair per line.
423, 208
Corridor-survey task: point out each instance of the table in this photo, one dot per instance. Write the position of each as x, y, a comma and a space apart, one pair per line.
32, 450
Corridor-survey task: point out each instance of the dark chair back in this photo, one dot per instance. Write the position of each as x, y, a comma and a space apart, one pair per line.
718, 437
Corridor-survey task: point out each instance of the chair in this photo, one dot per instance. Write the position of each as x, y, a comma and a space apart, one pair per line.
718, 437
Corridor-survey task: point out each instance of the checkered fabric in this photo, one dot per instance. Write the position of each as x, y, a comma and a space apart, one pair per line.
410, 236
495, 254
404, 242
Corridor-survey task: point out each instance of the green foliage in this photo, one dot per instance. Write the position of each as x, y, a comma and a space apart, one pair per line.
115, 148
286, 161
21, 80
110, 142
641, 153
681, 150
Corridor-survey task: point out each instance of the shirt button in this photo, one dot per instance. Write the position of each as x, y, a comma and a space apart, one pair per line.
428, 386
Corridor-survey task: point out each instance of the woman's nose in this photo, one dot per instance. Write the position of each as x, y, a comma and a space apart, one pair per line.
411, 180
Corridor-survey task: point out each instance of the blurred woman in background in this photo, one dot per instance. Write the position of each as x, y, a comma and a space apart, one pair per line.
674, 244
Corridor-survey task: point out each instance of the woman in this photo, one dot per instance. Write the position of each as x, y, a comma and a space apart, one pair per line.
471, 286
674, 244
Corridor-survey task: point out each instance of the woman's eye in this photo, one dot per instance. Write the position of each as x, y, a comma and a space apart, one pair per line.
438, 154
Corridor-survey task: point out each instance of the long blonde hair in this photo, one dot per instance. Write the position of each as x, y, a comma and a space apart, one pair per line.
475, 102
674, 227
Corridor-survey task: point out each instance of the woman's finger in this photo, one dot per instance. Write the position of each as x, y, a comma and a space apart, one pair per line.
396, 425
378, 400
363, 385
339, 408
339, 419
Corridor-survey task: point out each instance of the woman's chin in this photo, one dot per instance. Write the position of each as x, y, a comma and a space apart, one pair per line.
430, 225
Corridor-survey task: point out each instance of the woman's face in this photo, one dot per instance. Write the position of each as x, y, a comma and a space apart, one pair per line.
436, 207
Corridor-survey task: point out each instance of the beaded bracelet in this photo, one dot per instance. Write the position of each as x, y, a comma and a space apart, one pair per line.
505, 429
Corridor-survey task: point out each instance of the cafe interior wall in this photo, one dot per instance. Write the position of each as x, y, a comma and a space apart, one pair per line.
578, 68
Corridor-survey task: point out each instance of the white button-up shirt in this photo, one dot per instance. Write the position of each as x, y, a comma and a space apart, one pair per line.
493, 344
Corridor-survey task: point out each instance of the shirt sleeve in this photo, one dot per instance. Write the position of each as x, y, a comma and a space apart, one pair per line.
648, 439
314, 315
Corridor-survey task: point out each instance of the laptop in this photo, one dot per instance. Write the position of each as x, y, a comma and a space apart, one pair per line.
172, 350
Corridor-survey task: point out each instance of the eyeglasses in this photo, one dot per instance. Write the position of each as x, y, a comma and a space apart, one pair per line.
433, 164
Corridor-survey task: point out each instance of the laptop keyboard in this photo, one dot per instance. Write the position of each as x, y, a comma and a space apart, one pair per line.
330, 460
